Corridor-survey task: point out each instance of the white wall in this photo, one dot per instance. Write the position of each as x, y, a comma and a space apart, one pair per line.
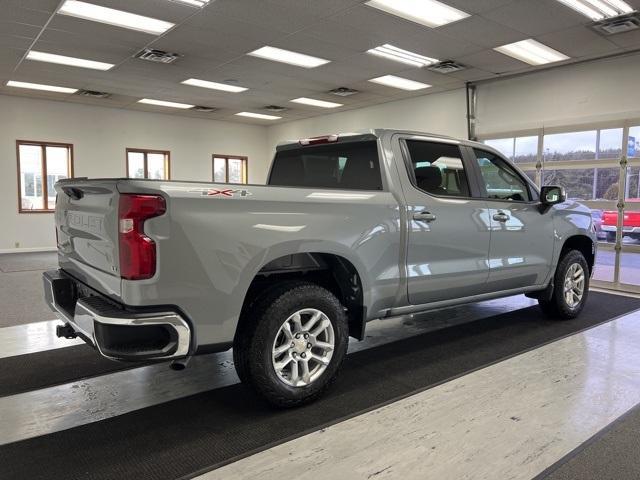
100, 136
592, 92
440, 113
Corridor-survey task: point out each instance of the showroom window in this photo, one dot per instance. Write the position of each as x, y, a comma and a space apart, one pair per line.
40, 166
517, 149
230, 169
590, 164
149, 164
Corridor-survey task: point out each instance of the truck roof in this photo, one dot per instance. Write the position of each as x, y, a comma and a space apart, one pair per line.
376, 133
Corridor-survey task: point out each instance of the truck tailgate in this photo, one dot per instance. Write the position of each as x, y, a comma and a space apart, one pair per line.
86, 219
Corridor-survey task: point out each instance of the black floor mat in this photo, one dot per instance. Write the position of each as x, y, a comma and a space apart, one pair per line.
34, 371
204, 431
612, 454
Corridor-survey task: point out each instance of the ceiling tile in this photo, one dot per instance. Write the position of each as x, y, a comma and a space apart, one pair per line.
477, 6
626, 40
536, 17
578, 42
493, 62
42, 5
37, 18
482, 32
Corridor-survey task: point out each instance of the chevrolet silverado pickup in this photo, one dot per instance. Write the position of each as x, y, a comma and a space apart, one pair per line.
349, 228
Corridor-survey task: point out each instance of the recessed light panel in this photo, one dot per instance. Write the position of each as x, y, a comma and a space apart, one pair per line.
316, 103
399, 82
38, 86
163, 103
287, 56
599, 9
261, 116
194, 82
71, 61
430, 13
532, 52
111, 16
403, 56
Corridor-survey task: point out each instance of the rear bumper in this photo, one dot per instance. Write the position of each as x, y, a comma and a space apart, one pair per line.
625, 229
117, 331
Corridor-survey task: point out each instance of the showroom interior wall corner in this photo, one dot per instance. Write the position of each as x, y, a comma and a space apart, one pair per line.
441, 113
566, 95
100, 136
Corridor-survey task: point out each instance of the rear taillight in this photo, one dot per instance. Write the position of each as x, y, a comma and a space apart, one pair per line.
137, 251
609, 217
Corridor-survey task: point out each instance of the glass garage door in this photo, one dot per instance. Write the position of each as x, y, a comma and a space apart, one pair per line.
599, 167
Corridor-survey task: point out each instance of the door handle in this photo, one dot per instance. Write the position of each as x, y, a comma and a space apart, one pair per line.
424, 217
500, 216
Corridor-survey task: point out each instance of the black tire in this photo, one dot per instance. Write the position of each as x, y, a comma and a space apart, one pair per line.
557, 307
253, 345
611, 237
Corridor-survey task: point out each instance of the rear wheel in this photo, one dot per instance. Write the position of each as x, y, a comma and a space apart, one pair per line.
292, 343
611, 237
571, 287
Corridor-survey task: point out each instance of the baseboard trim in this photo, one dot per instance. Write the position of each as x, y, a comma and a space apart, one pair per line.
27, 250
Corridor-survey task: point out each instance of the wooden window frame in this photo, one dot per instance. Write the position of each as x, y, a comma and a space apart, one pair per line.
245, 163
45, 188
145, 152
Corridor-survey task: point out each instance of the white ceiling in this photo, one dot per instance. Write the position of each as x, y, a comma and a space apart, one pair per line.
214, 42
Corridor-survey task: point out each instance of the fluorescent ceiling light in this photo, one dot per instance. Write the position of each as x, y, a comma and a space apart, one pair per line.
164, 103
261, 116
532, 52
72, 61
430, 13
89, 11
399, 82
37, 86
195, 3
214, 86
403, 56
316, 103
599, 9
286, 56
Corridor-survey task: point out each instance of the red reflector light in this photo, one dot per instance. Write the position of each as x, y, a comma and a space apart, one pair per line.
137, 251
318, 140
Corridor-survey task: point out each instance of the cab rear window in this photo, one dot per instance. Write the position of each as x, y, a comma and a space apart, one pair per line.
348, 165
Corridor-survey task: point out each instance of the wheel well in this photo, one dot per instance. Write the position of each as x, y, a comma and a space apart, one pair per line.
333, 272
583, 244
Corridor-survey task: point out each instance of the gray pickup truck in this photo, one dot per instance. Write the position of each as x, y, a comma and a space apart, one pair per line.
350, 228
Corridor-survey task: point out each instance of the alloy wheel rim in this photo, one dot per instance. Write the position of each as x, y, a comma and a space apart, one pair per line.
574, 285
303, 347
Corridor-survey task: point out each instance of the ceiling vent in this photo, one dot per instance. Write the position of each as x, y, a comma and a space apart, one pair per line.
343, 91
275, 108
158, 56
93, 94
620, 24
200, 108
446, 66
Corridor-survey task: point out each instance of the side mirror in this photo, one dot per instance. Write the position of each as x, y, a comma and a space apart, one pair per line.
551, 195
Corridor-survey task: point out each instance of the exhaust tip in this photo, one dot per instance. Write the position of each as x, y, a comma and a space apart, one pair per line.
181, 364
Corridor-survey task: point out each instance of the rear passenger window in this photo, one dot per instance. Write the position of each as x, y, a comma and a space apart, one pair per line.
348, 165
438, 168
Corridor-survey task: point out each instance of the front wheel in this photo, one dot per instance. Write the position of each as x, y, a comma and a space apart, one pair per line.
571, 287
292, 343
